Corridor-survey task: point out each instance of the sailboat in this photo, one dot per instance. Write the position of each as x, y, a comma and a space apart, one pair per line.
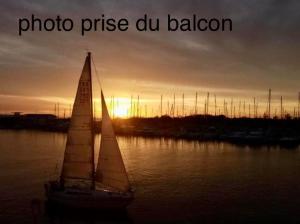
81, 184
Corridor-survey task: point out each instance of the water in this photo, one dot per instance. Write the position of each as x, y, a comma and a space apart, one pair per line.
176, 181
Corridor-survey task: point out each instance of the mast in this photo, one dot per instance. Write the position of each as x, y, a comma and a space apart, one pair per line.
254, 105
244, 114
281, 108
113, 107
239, 109
168, 108
215, 104
92, 121
138, 106
131, 106
207, 104
299, 105
249, 111
174, 105
183, 104
231, 108
269, 104
233, 111
161, 105
57, 110
196, 103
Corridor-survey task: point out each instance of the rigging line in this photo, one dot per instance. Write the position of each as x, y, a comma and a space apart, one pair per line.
96, 73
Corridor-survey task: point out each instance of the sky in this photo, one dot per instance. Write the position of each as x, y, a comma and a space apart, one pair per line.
38, 69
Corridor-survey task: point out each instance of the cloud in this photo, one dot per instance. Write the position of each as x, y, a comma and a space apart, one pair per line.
262, 51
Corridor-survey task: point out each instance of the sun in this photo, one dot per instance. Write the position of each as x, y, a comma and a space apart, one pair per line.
121, 111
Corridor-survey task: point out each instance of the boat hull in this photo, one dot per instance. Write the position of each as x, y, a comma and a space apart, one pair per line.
88, 199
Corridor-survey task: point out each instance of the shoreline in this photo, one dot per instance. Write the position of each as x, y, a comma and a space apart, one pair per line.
242, 131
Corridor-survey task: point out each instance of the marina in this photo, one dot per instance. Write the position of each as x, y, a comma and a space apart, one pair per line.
149, 112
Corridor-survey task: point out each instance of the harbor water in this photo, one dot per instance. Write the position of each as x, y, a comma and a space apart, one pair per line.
174, 180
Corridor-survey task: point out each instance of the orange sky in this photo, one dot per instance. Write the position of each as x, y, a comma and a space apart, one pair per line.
41, 68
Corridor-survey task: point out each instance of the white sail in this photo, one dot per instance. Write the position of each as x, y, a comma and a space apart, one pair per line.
78, 165
111, 171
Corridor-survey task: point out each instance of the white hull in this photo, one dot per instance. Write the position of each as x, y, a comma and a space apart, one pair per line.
88, 199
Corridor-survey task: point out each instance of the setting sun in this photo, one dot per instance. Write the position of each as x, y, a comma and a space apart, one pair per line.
121, 111
119, 107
